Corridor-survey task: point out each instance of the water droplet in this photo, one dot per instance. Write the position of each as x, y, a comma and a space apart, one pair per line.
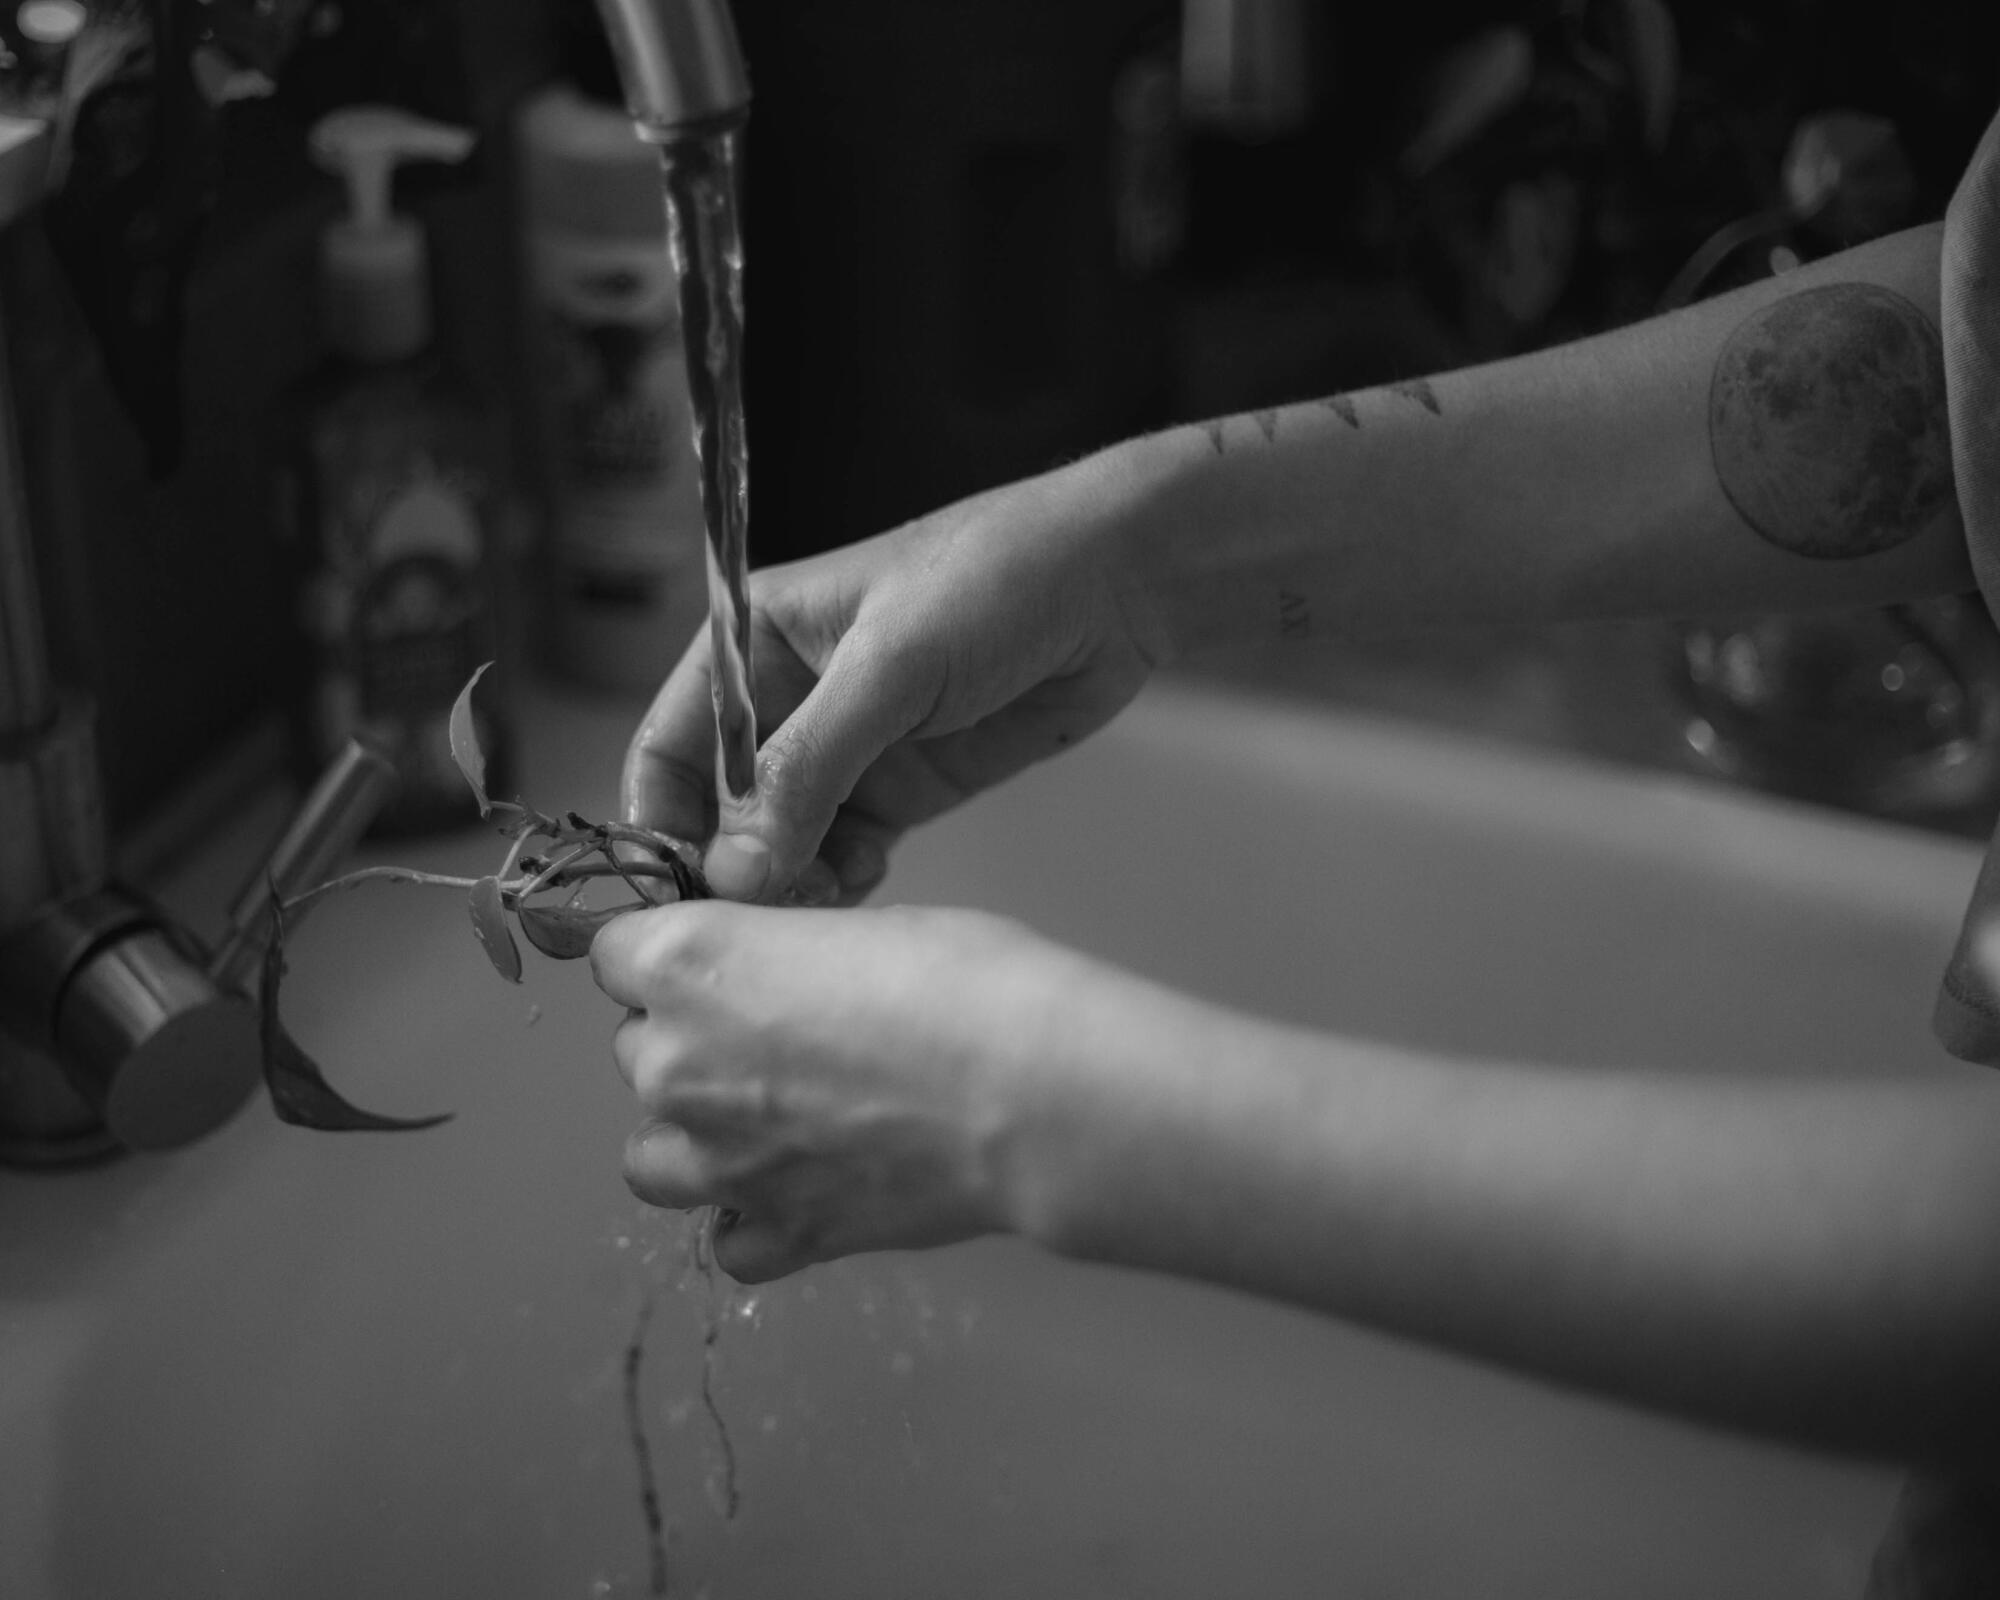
902, 1364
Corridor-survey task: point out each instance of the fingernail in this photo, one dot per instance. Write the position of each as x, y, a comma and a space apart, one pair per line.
738, 866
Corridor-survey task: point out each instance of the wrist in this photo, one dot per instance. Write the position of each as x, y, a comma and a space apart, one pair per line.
1120, 505
1112, 1108
1197, 538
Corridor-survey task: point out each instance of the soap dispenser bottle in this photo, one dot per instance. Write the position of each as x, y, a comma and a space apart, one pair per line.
389, 480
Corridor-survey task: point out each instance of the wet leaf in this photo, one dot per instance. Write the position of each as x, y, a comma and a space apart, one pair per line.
565, 932
489, 921
300, 1094
465, 742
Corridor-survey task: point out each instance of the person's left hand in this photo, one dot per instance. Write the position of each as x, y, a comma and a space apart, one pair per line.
838, 1081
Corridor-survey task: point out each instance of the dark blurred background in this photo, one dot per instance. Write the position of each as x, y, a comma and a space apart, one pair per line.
983, 236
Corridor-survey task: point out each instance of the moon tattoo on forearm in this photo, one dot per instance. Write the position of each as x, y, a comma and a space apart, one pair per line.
1827, 421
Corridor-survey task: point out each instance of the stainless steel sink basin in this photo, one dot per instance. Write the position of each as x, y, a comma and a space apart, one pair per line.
284, 1365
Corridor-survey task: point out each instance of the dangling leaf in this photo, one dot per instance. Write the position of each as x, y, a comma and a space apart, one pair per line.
565, 932
465, 742
300, 1094
489, 921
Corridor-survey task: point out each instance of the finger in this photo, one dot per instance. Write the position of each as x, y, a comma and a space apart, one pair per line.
641, 958
628, 1048
653, 1057
755, 1249
664, 1167
616, 965
669, 777
868, 698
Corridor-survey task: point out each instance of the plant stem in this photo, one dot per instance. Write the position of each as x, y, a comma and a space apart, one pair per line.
552, 874
361, 875
631, 833
597, 869
571, 868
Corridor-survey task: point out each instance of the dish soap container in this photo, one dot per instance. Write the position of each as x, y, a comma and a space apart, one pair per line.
388, 480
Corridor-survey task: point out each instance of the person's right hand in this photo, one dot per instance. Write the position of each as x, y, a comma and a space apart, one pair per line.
896, 677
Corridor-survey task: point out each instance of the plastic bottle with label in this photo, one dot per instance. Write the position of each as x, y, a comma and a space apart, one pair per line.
625, 553
388, 477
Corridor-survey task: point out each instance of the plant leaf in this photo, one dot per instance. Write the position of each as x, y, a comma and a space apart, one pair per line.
565, 932
465, 742
300, 1094
489, 921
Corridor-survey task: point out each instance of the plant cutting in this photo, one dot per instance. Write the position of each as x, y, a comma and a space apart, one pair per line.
539, 886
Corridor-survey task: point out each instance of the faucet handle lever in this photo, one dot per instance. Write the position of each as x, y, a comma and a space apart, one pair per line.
349, 795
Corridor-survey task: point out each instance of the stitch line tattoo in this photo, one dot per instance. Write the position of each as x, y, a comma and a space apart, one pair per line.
1294, 615
1419, 390
1827, 422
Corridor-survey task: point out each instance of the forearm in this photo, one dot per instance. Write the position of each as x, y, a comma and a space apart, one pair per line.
1820, 1262
1659, 470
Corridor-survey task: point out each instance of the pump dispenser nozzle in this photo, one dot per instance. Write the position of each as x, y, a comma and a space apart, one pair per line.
374, 263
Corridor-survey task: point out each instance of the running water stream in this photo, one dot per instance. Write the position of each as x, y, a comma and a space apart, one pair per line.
700, 171
704, 237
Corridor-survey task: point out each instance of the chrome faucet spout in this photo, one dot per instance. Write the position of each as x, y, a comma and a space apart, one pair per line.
679, 62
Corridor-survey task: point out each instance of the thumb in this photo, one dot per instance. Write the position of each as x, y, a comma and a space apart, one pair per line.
864, 702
